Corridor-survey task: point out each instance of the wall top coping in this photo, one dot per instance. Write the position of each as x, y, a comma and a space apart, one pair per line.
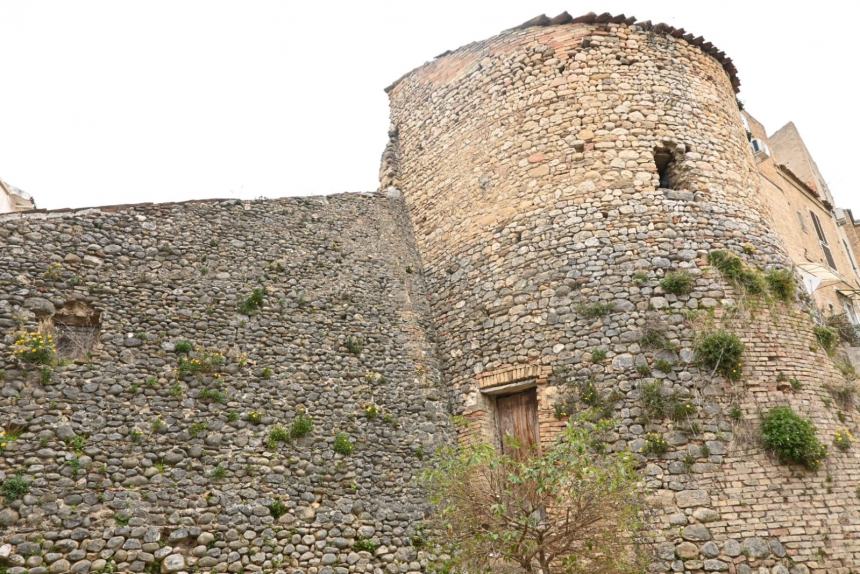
605, 20
143, 208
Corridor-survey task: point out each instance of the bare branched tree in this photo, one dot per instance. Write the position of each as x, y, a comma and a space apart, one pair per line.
571, 509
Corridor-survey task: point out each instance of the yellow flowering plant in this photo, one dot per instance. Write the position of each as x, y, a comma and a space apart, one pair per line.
842, 439
371, 411
204, 362
9, 434
35, 348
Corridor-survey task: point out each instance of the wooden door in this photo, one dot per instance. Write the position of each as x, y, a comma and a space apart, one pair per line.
517, 423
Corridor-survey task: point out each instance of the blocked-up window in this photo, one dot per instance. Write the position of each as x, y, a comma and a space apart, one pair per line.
802, 222
76, 325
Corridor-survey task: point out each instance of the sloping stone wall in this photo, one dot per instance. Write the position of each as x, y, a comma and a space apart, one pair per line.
134, 467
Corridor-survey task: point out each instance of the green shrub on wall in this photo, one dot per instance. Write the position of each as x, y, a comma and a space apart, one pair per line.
277, 509
301, 426
721, 352
827, 338
13, 488
726, 263
253, 302
35, 348
598, 355
594, 310
792, 438
677, 282
781, 284
842, 439
183, 347
342, 444
655, 444
658, 403
733, 269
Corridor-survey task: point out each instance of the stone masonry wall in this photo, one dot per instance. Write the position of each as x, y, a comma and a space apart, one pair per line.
527, 165
133, 467
811, 518
541, 235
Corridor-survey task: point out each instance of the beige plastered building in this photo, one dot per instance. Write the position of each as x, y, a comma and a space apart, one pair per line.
821, 240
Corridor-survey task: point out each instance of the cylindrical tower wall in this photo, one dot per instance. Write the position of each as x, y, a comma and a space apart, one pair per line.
554, 175
527, 162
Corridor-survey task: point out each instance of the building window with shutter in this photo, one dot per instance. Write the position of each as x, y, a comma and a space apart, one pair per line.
850, 313
822, 239
850, 255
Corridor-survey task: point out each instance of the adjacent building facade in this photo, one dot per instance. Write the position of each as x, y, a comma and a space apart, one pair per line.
852, 230
820, 239
13, 199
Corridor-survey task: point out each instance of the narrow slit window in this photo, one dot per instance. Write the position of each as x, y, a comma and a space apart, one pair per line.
818, 229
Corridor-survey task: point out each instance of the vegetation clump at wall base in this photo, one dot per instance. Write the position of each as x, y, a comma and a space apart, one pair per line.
490, 508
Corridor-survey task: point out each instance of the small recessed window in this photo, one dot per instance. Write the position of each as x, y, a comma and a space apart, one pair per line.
759, 147
665, 161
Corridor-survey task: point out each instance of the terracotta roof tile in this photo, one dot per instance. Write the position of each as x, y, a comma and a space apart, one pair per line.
661, 28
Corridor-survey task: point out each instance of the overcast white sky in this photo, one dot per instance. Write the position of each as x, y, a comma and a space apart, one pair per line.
113, 101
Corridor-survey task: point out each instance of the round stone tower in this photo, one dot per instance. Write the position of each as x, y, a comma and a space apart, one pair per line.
554, 174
